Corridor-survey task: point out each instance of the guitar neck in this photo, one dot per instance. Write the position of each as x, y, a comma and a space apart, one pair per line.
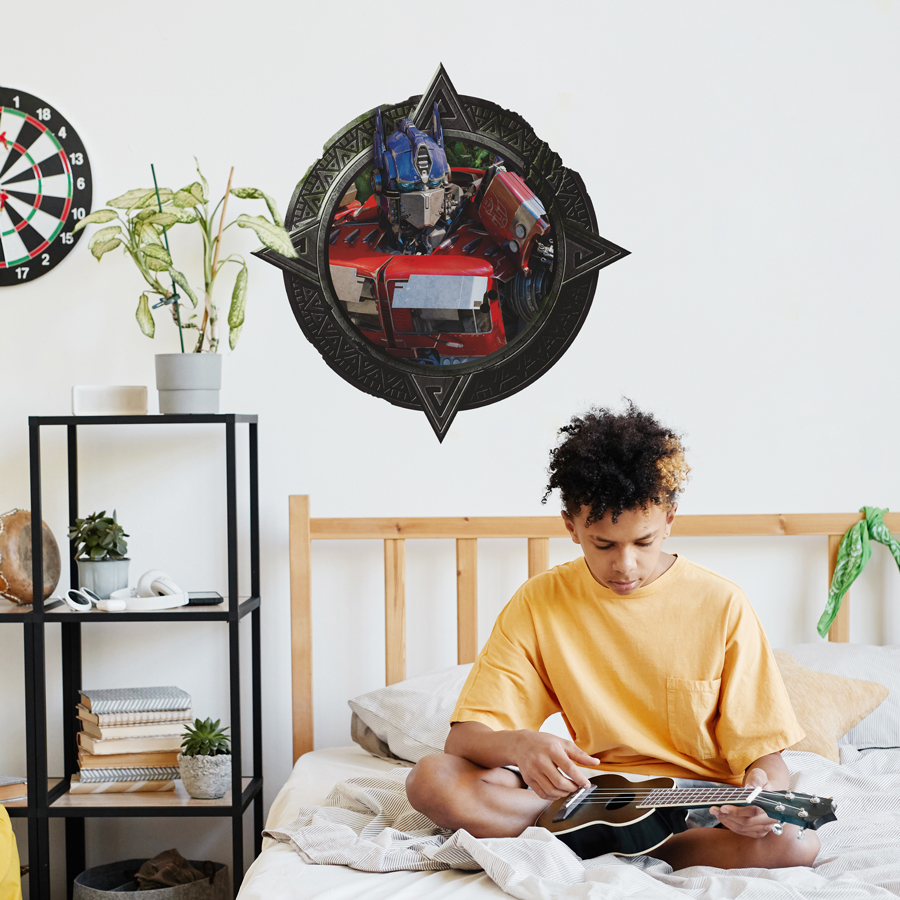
698, 798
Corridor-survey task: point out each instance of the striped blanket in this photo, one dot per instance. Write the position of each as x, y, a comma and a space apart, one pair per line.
367, 824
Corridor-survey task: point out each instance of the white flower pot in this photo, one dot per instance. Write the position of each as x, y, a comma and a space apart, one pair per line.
188, 382
206, 777
103, 576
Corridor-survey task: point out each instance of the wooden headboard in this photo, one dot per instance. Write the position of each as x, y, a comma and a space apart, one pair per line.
537, 530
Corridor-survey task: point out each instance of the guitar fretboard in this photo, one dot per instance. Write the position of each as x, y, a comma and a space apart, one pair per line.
697, 797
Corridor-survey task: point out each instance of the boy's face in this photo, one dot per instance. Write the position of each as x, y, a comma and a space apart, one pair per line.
625, 555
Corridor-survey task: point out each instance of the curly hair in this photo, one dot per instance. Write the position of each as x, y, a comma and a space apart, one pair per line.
611, 463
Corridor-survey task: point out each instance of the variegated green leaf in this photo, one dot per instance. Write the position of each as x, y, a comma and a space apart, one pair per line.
156, 258
238, 300
130, 199
249, 193
182, 282
145, 317
204, 189
96, 218
185, 216
163, 219
165, 196
104, 247
233, 336
272, 236
104, 234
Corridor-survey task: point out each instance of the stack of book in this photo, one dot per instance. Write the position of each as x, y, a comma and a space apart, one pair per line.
130, 739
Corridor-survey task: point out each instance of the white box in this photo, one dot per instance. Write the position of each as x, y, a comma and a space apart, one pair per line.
109, 400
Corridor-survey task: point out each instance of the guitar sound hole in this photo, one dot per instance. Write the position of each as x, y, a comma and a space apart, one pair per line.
620, 801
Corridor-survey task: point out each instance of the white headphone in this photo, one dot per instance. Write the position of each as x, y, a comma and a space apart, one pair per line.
155, 590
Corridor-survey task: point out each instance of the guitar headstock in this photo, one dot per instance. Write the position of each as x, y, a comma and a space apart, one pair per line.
805, 810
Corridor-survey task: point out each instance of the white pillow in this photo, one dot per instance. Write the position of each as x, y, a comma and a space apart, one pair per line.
869, 663
412, 718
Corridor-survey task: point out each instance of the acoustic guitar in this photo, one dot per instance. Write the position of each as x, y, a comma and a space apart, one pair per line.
630, 818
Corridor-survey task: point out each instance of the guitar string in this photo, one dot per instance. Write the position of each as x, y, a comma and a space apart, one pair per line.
604, 797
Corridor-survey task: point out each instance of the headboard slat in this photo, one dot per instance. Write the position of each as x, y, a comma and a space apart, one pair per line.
466, 599
538, 556
840, 627
301, 625
394, 610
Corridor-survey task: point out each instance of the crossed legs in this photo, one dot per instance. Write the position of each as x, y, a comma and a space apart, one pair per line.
456, 793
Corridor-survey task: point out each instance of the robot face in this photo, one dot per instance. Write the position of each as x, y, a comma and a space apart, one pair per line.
413, 160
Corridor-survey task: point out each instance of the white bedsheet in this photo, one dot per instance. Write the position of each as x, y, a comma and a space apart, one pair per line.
860, 857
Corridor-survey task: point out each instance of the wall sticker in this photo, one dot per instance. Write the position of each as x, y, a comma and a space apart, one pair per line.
446, 257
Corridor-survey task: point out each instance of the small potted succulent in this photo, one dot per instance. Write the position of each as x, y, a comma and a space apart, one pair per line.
205, 760
99, 549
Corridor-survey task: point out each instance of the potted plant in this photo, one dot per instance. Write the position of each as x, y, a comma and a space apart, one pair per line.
205, 760
99, 549
188, 382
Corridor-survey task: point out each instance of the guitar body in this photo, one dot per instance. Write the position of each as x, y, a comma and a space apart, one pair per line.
616, 825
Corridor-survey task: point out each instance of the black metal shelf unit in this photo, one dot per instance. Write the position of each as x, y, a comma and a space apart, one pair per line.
50, 798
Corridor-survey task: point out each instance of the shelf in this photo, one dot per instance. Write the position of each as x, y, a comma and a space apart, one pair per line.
13, 612
191, 419
163, 803
19, 808
218, 613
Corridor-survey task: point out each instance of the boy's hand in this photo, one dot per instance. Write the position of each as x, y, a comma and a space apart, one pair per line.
749, 821
549, 764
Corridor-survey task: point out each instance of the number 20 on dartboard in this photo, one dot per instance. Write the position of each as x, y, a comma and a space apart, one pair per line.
45, 186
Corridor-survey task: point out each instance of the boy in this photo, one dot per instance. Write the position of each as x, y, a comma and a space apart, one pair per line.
659, 667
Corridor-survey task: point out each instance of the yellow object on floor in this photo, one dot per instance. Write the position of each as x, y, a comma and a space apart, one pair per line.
10, 884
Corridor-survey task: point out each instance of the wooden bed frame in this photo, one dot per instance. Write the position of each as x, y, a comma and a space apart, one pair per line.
537, 530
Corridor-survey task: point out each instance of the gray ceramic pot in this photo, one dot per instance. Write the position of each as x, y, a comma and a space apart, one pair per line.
188, 382
205, 777
103, 576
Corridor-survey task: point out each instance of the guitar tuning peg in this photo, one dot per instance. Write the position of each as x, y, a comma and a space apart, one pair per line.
814, 799
777, 828
789, 795
800, 834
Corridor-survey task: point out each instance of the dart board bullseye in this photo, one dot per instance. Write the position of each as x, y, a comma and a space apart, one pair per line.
45, 186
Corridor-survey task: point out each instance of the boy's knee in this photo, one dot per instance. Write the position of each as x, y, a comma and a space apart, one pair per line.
424, 782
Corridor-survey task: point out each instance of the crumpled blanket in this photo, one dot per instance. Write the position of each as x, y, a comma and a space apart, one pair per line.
368, 824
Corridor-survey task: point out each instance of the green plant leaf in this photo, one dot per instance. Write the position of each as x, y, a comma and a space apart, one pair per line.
192, 195
185, 216
96, 218
233, 335
164, 219
104, 234
272, 236
238, 300
130, 199
250, 193
165, 196
104, 247
156, 258
182, 282
204, 188
145, 317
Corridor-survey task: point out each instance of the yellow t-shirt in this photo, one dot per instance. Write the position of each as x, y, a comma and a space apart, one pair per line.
10, 887
676, 678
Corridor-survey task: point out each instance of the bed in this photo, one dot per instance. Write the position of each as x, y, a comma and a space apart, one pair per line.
339, 828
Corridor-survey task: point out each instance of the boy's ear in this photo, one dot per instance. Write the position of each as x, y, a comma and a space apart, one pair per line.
570, 526
670, 518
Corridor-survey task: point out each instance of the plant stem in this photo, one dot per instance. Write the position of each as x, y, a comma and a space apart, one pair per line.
166, 238
208, 315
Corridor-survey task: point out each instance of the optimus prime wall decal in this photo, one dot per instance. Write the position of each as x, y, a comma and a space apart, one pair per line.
446, 257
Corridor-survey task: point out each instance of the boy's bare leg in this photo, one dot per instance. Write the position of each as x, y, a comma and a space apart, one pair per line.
456, 793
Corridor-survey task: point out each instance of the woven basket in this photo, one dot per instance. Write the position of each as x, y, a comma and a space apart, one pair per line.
116, 879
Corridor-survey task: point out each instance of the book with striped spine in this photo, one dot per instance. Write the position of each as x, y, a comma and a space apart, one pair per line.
136, 718
106, 747
135, 786
130, 773
12, 787
145, 729
132, 700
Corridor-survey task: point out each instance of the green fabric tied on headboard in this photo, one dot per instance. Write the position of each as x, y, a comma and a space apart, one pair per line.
853, 554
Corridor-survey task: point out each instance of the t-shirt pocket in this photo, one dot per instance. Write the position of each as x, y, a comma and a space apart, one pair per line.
692, 708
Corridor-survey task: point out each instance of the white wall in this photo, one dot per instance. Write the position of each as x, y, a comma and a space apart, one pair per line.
746, 153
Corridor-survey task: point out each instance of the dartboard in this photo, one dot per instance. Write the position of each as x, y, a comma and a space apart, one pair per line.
45, 186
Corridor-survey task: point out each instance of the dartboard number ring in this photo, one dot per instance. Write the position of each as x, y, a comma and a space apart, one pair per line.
45, 186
